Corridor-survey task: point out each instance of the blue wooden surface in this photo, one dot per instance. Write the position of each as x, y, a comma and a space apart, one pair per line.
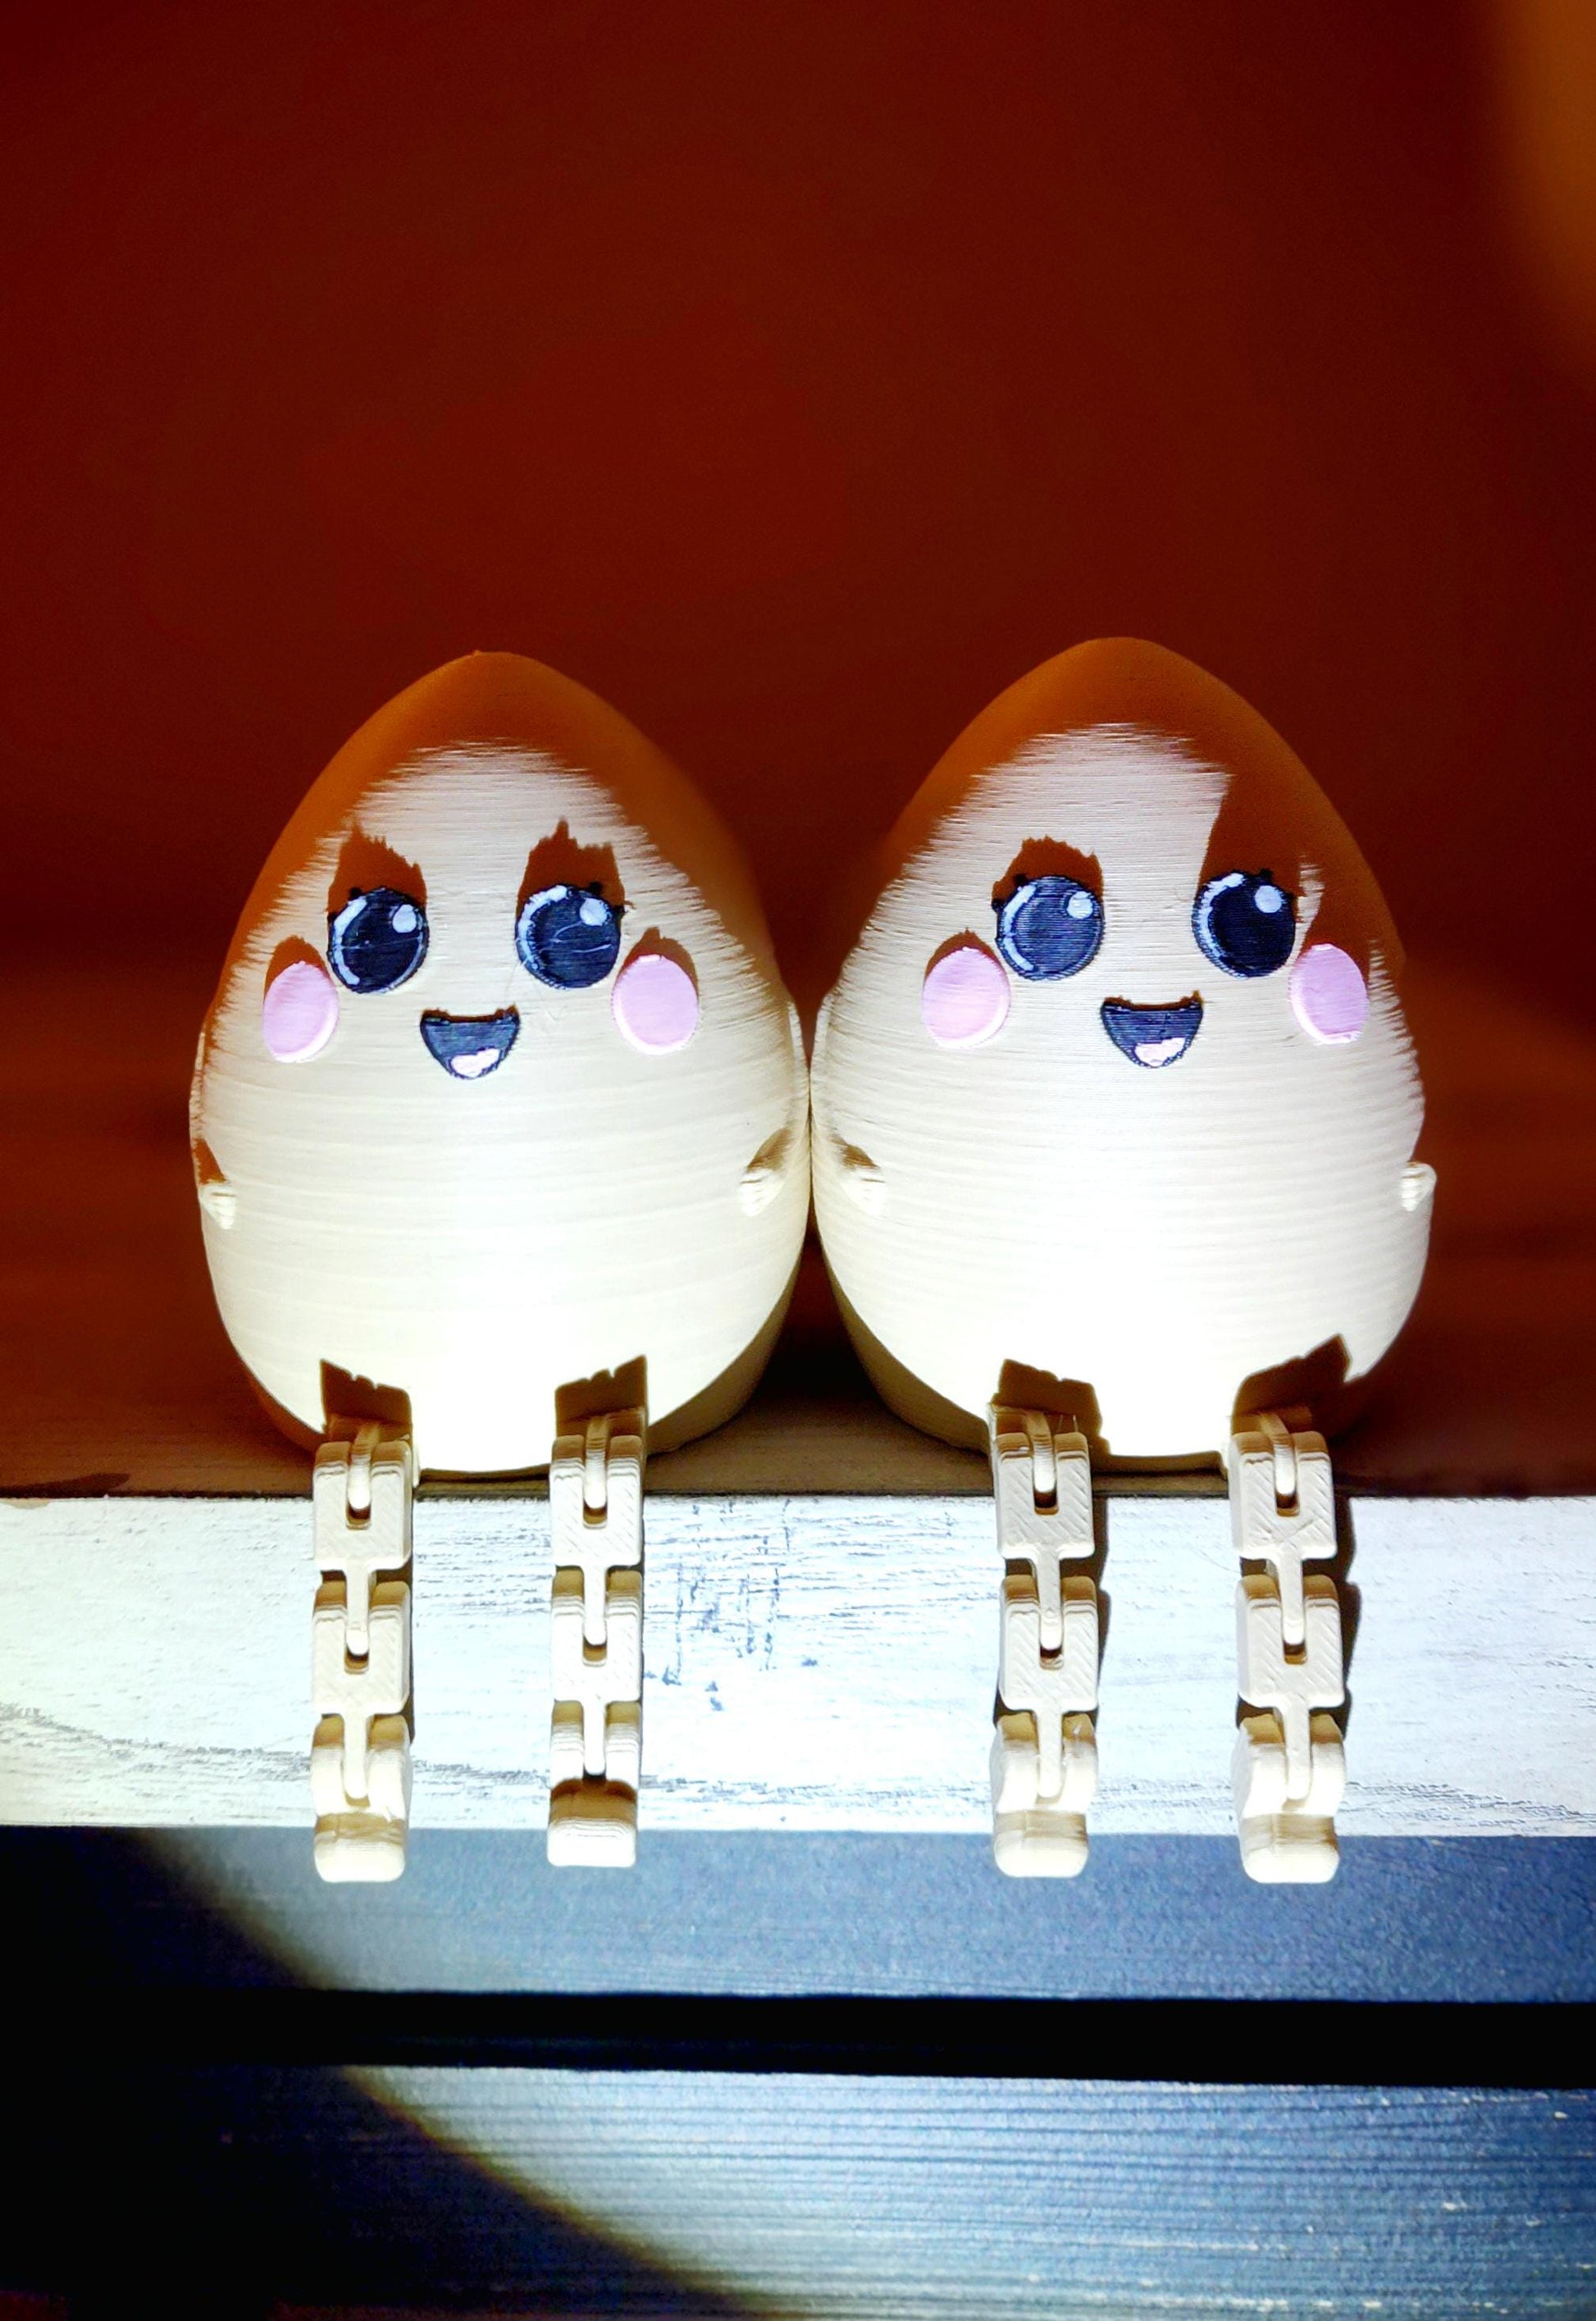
1406, 1919
645, 2193
879, 2200
1042, 2202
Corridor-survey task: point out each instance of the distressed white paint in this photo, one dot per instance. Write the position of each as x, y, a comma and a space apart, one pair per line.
811, 1663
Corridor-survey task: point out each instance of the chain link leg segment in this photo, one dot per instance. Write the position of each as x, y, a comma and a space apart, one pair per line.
362, 1490
596, 1642
1290, 1767
1043, 1760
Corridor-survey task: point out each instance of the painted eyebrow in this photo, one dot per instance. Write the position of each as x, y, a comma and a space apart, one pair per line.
1048, 858
562, 859
366, 864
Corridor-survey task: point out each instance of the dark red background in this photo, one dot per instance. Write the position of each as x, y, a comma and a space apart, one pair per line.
795, 375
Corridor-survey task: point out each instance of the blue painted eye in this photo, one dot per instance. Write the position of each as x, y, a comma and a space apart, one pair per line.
1049, 927
377, 941
1244, 922
568, 936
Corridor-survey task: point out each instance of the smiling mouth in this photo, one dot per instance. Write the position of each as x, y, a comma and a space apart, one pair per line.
1153, 1036
470, 1046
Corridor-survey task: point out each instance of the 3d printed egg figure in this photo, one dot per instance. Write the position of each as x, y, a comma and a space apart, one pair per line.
1115, 1086
500, 1091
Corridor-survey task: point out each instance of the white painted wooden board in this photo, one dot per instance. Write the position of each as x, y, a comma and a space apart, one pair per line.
813, 1662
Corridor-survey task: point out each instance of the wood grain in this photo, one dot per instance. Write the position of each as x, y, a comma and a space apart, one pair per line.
904, 2198
811, 1662
432, 2191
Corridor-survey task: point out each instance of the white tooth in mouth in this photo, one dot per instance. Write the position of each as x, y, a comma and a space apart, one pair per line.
1161, 1051
473, 1067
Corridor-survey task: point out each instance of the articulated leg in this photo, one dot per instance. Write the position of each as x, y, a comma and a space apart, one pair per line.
596, 1749
1290, 1771
1045, 1763
362, 1491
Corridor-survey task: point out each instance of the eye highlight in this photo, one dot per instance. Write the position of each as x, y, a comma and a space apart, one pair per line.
1049, 927
568, 936
377, 941
1244, 922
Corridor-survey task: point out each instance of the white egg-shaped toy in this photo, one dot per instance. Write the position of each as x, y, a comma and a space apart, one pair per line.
1113, 1087
500, 1092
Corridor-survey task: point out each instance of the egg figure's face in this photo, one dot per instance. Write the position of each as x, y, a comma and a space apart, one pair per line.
1115, 1086
495, 1099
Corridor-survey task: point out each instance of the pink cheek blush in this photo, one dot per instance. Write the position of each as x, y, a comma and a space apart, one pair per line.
965, 998
299, 1013
655, 1003
1329, 997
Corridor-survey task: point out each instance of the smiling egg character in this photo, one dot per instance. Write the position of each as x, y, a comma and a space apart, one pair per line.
500, 1092
1115, 1086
